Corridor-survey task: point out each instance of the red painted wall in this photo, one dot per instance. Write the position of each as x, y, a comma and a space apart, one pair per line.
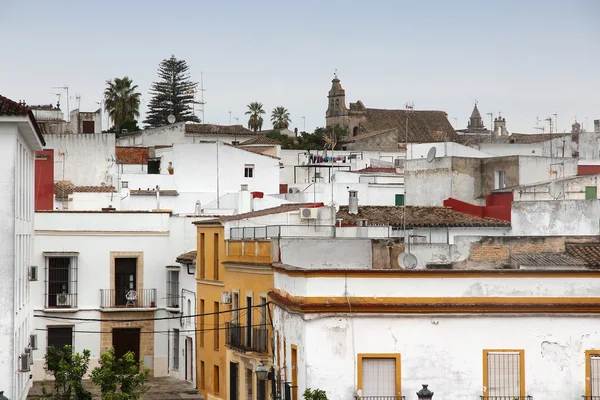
588, 169
498, 206
44, 180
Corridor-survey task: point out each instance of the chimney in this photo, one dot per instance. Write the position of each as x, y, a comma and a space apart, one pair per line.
597, 125
245, 201
198, 208
157, 198
353, 202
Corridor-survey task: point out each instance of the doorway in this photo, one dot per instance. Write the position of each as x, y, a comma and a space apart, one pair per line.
233, 381
189, 354
125, 340
125, 279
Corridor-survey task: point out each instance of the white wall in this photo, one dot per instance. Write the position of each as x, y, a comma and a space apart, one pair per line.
549, 148
589, 146
574, 189
159, 236
328, 345
88, 160
537, 169
555, 218
444, 149
429, 184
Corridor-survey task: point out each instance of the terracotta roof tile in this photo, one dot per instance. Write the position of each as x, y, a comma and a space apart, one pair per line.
267, 211
423, 126
547, 260
390, 170
590, 253
186, 258
63, 189
416, 217
141, 192
210, 129
9, 107
260, 140
132, 155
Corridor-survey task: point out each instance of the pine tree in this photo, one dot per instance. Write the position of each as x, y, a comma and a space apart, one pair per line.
172, 94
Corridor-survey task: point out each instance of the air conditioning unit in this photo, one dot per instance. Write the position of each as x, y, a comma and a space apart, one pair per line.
33, 341
29, 353
225, 298
63, 300
309, 213
33, 276
24, 365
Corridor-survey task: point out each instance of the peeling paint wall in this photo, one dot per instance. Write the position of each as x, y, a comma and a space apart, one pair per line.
556, 218
326, 253
554, 351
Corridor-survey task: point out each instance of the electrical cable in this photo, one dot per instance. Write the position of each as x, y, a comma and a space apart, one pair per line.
220, 328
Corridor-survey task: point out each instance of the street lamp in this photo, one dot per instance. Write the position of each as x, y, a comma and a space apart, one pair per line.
262, 371
425, 393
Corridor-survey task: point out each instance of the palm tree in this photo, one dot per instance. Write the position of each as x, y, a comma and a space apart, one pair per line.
121, 101
255, 109
280, 117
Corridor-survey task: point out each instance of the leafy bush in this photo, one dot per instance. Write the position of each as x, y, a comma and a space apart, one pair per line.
316, 394
68, 369
120, 379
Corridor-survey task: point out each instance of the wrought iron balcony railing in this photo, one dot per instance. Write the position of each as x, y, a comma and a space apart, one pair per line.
506, 397
590, 397
127, 298
382, 398
253, 339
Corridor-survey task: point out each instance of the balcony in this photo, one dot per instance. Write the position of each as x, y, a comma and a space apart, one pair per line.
237, 338
590, 397
382, 398
506, 397
126, 299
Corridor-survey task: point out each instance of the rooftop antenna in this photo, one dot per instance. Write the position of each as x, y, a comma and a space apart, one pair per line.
67, 89
237, 120
555, 122
202, 102
229, 117
78, 100
491, 114
549, 119
304, 124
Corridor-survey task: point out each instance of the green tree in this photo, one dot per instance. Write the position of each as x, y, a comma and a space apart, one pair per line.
120, 379
280, 117
287, 143
121, 102
316, 394
255, 122
68, 369
172, 94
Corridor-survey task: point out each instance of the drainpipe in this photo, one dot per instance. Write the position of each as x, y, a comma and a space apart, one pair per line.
157, 198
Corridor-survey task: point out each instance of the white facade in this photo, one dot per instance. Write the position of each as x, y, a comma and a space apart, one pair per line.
202, 172
442, 349
557, 148
18, 142
90, 240
84, 159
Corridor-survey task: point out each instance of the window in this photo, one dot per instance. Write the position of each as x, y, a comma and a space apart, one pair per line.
202, 376
504, 374
249, 171
216, 325
61, 281
201, 322
124, 184
88, 126
173, 288
216, 257
175, 348
590, 193
294, 372
216, 383
202, 256
500, 182
261, 390
235, 305
379, 375
399, 200
249, 320
263, 311
60, 336
249, 385
592, 373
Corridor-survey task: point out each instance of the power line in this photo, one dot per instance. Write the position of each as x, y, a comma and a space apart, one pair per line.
151, 319
220, 328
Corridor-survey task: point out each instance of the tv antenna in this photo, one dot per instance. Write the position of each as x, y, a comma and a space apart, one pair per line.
67, 89
202, 90
431, 154
549, 119
78, 100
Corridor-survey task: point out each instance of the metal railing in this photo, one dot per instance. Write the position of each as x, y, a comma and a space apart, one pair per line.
590, 397
61, 300
127, 298
237, 337
274, 231
506, 397
382, 398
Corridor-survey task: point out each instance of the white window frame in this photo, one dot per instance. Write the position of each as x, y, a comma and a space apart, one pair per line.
171, 272
72, 283
249, 171
500, 179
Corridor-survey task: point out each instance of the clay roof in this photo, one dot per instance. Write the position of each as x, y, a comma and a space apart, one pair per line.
186, 258
260, 140
389, 170
267, 211
9, 107
141, 192
416, 217
132, 155
589, 253
529, 138
547, 260
62, 189
423, 126
210, 129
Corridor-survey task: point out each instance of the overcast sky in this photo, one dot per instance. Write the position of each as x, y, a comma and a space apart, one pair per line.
525, 59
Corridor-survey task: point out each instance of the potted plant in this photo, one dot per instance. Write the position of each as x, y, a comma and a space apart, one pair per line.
170, 169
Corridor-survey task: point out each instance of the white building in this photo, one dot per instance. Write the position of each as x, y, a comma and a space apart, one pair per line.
182, 133
20, 137
101, 271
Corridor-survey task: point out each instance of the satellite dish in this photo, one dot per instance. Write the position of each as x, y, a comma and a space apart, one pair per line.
409, 261
335, 205
556, 190
431, 154
171, 118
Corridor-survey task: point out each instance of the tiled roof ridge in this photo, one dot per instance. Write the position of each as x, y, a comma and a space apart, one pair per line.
10, 107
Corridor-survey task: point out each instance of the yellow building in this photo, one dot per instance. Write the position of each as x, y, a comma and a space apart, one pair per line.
233, 279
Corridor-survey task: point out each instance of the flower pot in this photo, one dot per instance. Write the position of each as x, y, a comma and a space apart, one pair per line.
171, 171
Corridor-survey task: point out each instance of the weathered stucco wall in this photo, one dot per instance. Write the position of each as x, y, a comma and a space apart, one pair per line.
326, 253
555, 218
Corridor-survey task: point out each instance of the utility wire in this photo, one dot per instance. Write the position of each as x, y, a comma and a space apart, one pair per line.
150, 319
220, 328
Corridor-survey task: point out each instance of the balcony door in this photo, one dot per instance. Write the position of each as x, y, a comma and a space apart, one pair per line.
125, 279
